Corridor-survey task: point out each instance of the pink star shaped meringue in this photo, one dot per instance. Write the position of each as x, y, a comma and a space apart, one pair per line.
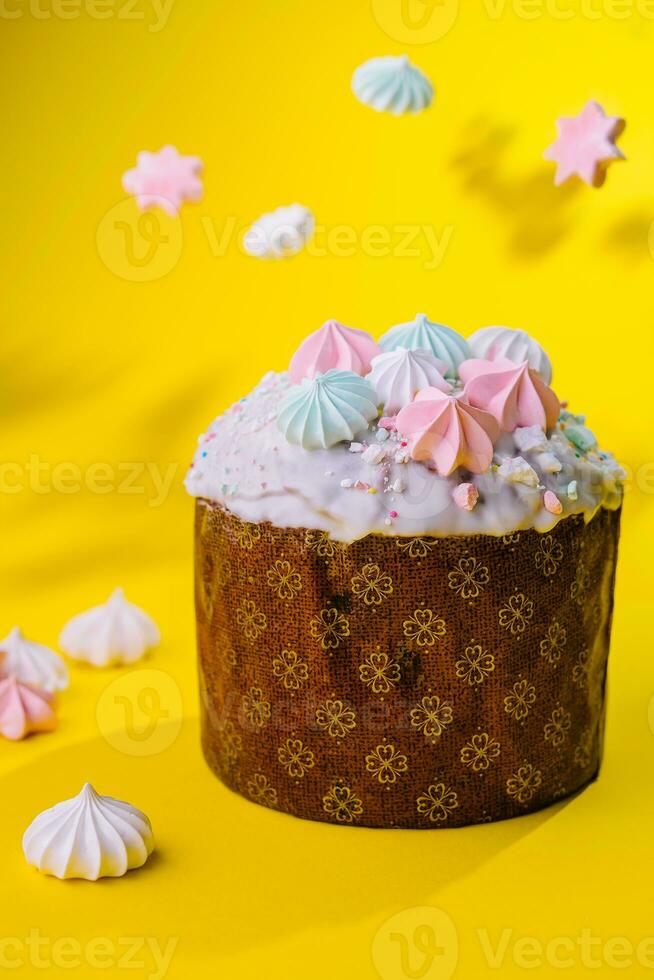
586, 145
165, 179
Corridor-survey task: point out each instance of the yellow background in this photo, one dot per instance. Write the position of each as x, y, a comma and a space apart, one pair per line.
103, 362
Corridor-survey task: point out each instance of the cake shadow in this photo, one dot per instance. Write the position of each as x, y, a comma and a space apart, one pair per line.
247, 875
536, 214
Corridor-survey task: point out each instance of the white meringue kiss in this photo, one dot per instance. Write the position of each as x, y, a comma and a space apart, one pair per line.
32, 663
398, 374
90, 836
116, 632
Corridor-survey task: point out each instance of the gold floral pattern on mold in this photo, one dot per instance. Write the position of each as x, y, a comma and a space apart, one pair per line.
330, 627
524, 783
432, 716
320, 542
251, 620
425, 627
480, 751
290, 669
284, 580
551, 646
260, 790
386, 763
336, 718
342, 803
520, 699
548, 556
469, 578
516, 613
256, 707
372, 585
295, 758
416, 547
247, 535
437, 802
556, 729
475, 664
379, 672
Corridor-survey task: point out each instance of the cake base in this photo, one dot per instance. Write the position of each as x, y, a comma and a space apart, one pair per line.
396, 682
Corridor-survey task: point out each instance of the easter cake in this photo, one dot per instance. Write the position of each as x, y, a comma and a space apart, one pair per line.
405, 559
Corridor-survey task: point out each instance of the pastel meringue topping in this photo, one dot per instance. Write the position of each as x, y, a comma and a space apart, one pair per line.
515, 395
392, 84
117, 632
24, 710
89, 836
32, 663
327, 409
423, 334
495, 343
444, 429
398, 374
333, 346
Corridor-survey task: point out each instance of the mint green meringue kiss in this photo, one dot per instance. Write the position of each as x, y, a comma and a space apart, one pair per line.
423, 334
327, 409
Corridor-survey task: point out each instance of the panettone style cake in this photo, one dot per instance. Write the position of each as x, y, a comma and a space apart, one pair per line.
405, 558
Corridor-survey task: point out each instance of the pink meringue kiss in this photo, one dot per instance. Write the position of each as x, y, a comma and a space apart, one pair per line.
444, 429
333, 346
465, 496
24, 710
512, 393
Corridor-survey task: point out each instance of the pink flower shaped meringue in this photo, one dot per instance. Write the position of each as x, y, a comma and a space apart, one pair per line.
165, 179
586, 145
446, 430
24, 709
512, 393
333, 346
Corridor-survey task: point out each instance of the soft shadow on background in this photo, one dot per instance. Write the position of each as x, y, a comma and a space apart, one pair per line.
537, 215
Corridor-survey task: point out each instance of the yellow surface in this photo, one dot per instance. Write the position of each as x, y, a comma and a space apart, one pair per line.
101, 362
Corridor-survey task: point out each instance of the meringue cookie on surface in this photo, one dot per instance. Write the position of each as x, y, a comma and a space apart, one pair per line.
493, 343
89, 836
397, 375
24, 710
392, 84
32, 663
280, 233
424, 334
116, 632
327, 409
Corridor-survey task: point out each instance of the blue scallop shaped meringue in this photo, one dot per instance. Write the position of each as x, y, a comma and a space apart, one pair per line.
327, 409
392, 84
423, 334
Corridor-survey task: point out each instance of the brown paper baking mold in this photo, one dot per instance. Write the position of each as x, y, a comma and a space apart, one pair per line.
403, 682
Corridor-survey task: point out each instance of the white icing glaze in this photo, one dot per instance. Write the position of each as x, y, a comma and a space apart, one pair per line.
244, 463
